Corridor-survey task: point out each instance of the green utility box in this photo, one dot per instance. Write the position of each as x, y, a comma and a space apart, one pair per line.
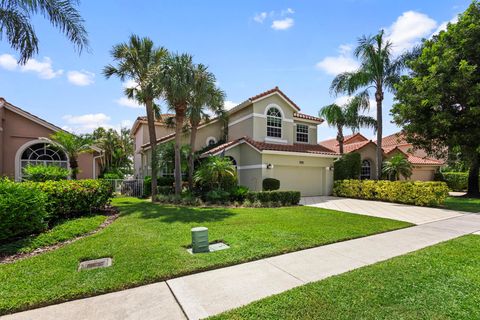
200, 240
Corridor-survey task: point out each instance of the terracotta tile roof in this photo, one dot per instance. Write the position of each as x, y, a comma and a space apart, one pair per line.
296, 147
306, 117
164, 116
276, 89
394, 140
333, 143
425, 161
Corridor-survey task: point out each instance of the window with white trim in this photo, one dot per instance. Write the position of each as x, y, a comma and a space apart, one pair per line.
43, 154
302, 133
365, 172
274, 123
211, 141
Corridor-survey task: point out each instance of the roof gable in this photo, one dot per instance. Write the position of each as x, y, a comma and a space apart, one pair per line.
7, 105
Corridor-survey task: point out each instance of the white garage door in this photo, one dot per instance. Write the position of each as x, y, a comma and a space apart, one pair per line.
310, 181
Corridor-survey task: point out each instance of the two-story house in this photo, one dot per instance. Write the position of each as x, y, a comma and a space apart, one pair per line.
267, 137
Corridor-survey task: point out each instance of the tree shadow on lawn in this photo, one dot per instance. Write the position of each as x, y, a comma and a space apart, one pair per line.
172, 214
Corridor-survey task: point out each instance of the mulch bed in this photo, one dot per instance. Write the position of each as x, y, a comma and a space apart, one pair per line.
112, 214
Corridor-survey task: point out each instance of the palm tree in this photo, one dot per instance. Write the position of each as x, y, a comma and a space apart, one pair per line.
137, 60
348, 115
378, 70
397, 166
73, 146
16, 24
177, 80
206, 97
215, 172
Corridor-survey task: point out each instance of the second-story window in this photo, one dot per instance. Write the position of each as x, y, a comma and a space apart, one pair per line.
274, 123
302, 133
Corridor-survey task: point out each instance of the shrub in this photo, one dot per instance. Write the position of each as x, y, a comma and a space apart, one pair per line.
22, 209
270, 184
164, 181
112, 176
347, 167
147, 186
457, 181
41, 173
70, 198
286, 198
409, 192
215, 173
238, 193
217, 196
166, 190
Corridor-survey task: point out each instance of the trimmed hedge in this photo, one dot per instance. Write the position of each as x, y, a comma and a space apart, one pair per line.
347, 167
71, 198
286, 198
419, 193
22, 209
41, 173
161, 182
270, 184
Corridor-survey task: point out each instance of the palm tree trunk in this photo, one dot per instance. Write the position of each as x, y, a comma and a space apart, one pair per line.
473, 183
73, 167
340, 139
153, 146
191, 156
179, 119
379, 99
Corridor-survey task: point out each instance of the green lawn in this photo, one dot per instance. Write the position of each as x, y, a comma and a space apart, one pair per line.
440, 282
63, 231
463, 204
148, 242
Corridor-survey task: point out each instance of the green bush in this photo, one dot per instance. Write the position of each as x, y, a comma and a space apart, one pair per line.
112, 176
71, 198
147, 186
22, 209
347, 167
217, 196
238, 193
165, 190
419, 193
457, 181
41, 173
165, 181
286, 198
270, 184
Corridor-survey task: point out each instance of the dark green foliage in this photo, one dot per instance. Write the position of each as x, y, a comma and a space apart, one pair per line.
270, 184
22, 209
238, 193
419, 193
165, 181
457, 181
113, 175
147, 186
41, 173
165, 190
217, 196
70, 198
347, 167
286, 198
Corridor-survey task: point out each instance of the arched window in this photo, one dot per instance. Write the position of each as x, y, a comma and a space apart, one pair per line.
43, 154
211, 141
366, 170
274, 123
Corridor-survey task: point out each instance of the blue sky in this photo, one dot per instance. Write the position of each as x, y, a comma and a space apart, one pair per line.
251, 46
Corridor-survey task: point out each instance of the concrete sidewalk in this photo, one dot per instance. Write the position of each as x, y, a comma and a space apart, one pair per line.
396, 211
208, 293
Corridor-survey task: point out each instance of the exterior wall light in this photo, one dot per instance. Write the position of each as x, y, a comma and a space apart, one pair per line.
269, 166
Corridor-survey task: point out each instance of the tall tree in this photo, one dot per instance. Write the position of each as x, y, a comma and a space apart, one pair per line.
438, 103
137, 60
348, 116
73, 145
16, 23
207, 99
379, 71
177, 80
397, 166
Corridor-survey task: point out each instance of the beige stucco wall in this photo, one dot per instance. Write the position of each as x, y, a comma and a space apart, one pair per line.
369, 153
85, 164
312, 131
423, 173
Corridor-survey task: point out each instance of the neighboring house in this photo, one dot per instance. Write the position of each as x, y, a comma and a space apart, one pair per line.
424, 167
22, 142
267, 136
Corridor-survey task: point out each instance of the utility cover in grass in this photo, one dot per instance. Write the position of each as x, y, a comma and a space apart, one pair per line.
94, 264
213, 247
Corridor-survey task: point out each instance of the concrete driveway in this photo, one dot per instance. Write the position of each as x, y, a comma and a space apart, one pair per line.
413, 214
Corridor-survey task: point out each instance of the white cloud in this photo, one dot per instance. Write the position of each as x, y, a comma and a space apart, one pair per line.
409, 29
260, 17
81, 78
44, 68
7, 61
344, 62
86, 123
130, 84
443, 25
287, 11
130, 103
282, 24
229, 104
